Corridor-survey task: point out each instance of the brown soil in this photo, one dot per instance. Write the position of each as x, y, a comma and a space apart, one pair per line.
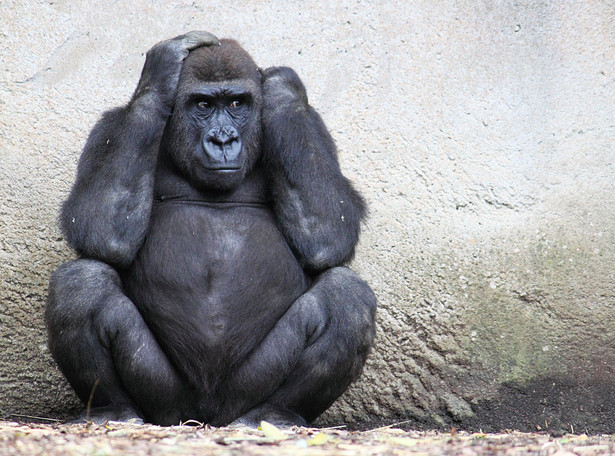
124, 438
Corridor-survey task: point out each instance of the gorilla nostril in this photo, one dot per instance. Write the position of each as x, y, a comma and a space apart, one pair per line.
230, 134
219, 141
222, 137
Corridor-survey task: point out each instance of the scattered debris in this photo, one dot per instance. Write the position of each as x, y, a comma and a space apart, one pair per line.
195, 438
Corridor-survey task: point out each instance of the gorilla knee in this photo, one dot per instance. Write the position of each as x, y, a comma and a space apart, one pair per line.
351, 305
348, 292
81, 274
75, 289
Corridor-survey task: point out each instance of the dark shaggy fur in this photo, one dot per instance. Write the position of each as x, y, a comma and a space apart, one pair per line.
212, 222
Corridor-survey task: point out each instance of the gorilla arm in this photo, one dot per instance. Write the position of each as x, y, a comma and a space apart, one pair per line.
107, 213
315, 205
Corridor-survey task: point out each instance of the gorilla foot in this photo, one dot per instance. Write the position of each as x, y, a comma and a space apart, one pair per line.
101, 415
278, 416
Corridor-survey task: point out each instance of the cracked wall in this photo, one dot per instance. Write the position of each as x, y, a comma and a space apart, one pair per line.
481, 133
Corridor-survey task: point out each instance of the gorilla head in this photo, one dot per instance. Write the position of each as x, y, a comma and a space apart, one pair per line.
214, 133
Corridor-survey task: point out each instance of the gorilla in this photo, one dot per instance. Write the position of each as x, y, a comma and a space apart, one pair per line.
211, 222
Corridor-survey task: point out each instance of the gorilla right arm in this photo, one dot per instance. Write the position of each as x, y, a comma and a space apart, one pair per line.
317, 209
106, 215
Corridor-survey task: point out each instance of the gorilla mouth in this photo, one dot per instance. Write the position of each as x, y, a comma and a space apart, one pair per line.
224, 169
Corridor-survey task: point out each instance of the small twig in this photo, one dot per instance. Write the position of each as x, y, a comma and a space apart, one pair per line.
89, 406
191, 423
332, 428
34, 417
389, 426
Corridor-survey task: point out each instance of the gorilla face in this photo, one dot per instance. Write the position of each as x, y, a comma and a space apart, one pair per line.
214, 133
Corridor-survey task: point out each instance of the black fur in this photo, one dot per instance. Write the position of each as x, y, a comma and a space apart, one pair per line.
212, 220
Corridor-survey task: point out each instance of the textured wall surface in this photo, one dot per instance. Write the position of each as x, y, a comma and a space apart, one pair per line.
481, 132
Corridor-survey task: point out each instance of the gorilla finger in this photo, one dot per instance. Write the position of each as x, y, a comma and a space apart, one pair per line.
198, 38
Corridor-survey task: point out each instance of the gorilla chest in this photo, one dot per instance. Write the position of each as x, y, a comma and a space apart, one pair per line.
216, 274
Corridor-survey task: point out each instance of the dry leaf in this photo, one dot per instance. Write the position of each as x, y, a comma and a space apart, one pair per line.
403, 441
272, 432
318, 439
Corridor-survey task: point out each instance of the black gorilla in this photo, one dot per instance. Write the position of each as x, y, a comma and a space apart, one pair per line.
211, 219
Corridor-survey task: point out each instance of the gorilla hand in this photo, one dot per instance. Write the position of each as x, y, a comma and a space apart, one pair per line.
163, 65
281, 86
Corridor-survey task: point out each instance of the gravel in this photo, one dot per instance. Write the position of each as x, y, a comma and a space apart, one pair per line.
194, 438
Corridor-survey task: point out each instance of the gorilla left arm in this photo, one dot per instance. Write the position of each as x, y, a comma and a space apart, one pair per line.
317, 209
106, 215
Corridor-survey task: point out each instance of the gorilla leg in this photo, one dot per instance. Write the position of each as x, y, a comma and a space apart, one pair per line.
313, 353
105, 349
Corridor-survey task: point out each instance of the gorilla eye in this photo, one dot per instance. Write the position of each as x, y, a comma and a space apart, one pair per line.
235, 104
203, 105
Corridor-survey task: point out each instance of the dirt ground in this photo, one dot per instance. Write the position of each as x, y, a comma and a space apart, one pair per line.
193, 438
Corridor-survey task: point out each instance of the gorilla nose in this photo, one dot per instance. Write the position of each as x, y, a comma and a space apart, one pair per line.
222, 136
222, 147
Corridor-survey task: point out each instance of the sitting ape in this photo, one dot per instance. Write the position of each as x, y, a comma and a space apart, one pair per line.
211, 219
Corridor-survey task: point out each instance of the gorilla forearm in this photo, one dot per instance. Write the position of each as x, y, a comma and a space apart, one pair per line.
107, 212
317, 209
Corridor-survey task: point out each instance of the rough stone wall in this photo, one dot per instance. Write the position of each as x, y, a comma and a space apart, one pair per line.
482, 134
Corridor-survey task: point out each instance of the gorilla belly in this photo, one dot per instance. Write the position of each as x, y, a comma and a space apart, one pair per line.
211, 282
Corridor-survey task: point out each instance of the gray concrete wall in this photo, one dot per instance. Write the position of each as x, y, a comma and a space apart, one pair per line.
481, 132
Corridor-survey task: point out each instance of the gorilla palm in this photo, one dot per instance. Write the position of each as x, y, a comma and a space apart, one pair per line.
212, 220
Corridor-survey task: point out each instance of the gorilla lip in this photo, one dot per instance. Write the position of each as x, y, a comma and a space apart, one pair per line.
226, 169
